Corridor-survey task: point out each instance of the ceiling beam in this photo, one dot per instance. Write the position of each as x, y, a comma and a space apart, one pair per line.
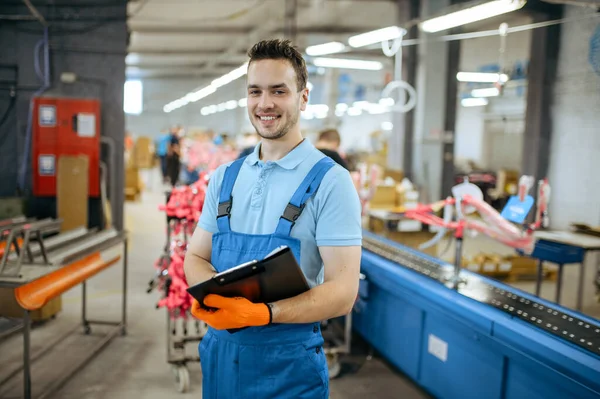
183, 65
363, 52
176, 52
221, 30
201, 76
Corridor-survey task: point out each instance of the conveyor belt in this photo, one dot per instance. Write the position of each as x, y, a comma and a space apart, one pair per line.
579, 332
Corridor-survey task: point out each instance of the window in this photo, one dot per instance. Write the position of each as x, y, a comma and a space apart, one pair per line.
133, 100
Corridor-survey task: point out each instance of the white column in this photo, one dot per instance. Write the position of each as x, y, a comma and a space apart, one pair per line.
430, 109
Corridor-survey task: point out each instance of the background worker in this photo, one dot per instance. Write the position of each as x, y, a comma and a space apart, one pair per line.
280, 354
329, 144
162, 144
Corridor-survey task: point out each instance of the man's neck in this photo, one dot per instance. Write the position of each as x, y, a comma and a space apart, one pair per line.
273, 150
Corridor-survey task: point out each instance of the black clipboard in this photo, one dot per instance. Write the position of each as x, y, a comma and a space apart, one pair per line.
278, 276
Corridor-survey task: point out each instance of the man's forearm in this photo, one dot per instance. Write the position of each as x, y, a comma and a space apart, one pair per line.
197, 269
325, 301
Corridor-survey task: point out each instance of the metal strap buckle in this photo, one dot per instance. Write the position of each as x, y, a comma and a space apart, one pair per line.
224, 208
292, 212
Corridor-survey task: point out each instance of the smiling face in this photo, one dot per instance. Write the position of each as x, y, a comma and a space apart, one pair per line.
274, 102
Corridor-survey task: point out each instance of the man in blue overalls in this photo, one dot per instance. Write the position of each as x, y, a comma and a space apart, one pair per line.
284, 193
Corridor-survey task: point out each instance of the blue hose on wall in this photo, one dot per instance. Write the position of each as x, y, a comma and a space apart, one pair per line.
45, 78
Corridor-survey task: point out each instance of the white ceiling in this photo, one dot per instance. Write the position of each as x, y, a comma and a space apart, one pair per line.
208, 38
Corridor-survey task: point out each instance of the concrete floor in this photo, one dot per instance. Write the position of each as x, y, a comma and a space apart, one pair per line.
135, 366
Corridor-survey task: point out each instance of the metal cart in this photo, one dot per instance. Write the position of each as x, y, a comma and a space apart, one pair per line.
337, 334
177, 338
180, 331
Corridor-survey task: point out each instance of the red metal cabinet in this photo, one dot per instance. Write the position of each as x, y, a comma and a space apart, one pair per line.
64, 126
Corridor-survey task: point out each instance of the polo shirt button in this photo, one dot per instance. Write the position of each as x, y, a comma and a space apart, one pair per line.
315, 329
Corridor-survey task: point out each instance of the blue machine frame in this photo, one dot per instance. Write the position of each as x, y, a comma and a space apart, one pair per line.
456, 347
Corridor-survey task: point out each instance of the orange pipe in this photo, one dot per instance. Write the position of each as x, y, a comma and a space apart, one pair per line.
3, 245
37, 293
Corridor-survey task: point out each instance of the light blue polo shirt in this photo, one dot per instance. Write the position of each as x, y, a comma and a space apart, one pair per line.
332, 217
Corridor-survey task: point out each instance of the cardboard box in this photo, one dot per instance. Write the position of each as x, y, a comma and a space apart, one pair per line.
397, 175
411, 239
383, 198
72, 191
144, 153
522, 264
9, 307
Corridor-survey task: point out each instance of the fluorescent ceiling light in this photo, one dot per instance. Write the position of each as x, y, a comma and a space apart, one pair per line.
471, 14
473, 102
341, 107
326, 48
480, 77
376, 36
348, 64
387, 102
230, 77
243, 102
208, 90
489, 92
387, 126
354, 111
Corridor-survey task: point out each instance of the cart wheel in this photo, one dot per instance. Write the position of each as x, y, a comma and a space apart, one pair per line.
182, 379
333, 363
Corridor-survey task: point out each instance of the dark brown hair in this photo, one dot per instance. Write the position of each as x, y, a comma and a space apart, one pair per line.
278, 49
330, 135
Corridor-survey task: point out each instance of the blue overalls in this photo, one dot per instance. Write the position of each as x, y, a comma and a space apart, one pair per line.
274, 361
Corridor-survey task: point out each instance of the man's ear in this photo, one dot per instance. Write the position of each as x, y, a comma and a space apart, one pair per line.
304, 99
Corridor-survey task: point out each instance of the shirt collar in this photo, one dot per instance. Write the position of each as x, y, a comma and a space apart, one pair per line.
290, 161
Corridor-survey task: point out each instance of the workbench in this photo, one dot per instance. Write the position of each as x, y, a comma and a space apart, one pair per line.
562, 248
39, 271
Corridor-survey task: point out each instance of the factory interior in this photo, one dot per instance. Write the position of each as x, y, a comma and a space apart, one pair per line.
470, 130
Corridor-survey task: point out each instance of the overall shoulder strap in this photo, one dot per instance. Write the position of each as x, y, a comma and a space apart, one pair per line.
307, 189
225, 198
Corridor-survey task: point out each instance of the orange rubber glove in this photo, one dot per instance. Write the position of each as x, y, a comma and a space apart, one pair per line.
231, 313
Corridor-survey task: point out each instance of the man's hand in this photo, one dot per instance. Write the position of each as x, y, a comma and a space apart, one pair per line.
231, 313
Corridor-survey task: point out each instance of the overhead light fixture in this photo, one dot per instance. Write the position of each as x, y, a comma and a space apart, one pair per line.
387, 126
473, 102
376, 36
208, 90
481, 77
230, 77
325, 48
387, 102
348, 64
471, 14
354, 111
488, 92
318, 111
